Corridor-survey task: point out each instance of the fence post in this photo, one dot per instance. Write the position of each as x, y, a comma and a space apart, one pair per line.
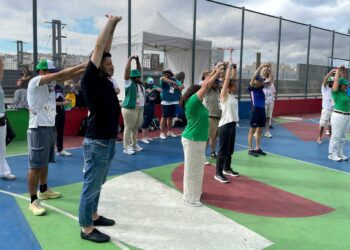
129, 28
194, 41
278, 54
241, 57
332, 52
35, 36
307, 61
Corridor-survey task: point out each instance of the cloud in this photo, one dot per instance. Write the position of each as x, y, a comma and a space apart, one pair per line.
217, 23
316, 3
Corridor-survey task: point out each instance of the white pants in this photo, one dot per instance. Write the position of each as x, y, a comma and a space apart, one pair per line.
4, 167
340, 124
269, 109
194, 152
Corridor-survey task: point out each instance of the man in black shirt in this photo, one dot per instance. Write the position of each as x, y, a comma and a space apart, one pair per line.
99, 141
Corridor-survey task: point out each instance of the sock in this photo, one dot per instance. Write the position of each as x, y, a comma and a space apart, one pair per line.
43, 188
33, 198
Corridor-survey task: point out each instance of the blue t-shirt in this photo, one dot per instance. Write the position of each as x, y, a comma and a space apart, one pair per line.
257, 96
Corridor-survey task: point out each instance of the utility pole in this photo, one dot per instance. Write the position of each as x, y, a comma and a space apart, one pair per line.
57, 27
19, 53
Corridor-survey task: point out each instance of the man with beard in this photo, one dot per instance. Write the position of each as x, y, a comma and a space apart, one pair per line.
101, 131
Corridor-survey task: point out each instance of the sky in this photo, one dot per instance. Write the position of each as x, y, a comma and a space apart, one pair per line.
216, 23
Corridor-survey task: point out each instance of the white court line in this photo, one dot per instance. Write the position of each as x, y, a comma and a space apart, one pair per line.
60, 211
310, 163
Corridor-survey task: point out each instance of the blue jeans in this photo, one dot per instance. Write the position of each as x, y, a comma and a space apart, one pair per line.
98, 155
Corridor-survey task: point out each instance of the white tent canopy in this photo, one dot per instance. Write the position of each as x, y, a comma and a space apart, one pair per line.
161, 35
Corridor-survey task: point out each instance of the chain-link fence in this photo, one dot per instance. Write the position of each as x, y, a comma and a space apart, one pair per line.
162, 33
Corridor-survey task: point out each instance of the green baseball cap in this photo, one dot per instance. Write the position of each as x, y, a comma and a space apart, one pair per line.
343, 81
45, 64
135, 73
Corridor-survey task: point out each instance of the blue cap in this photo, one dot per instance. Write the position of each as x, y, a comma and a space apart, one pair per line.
259, 79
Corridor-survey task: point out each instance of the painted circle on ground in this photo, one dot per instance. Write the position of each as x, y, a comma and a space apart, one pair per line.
249, 196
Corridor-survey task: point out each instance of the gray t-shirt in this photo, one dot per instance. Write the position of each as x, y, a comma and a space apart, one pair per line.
20, 99
2, 100
212, 102
42, 103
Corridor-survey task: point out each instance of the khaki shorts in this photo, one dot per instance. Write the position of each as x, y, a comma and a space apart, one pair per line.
325, 119
269, 110
213, 128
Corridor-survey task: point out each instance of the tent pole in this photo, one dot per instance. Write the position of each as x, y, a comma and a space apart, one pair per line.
194, 40
129, 28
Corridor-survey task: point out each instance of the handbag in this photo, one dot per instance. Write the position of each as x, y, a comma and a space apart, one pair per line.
10, 133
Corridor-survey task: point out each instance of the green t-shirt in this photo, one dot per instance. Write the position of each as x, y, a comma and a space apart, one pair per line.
341, 100
197, 120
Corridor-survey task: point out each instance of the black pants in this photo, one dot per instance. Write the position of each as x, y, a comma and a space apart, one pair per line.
60, 121
227, 137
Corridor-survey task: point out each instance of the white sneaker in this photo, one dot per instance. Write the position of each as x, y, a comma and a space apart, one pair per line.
149, 139
268, 135
193, 204
145, 141
171, 134
36, 208
162, 136
343, 157
334, 157
137, 148
328, 132
9, 177
207, 163
64, 153
128, 151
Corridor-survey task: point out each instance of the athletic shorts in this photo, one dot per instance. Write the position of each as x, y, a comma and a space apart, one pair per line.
258, 118
41, 146
325, 119
169, 110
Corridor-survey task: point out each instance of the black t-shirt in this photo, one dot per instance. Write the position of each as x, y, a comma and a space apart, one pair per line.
59, 98
102, 103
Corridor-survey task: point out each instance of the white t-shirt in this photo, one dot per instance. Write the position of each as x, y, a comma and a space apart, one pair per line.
229, 110
42, 103
115, 84
140, 99
327, 100
269, 92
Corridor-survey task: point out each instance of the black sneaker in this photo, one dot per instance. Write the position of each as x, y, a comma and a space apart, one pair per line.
102, 221
213, 155
221, 178
252, 152
260, 152
230, 172
95, 236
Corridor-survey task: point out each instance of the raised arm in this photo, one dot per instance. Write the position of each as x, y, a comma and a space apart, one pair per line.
167, 80
128, 68
255, 75
138, 64
335, 86
325, 79
224, 90
63, 75
103, 39
208, 83
110, 38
